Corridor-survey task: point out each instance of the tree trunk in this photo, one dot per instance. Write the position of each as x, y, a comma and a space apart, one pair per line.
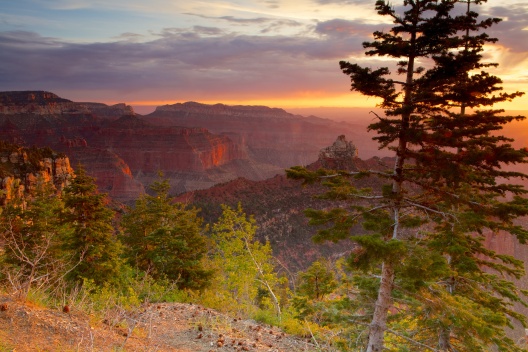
264, 281
443, 340
383, 303
29, 281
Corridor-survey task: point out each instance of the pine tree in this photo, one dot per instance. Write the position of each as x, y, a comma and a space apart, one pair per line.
31, 231
93, 241
165, 239
443, 194
314, 286
317, 281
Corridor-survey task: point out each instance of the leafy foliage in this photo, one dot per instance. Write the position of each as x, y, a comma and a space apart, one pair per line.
246, 277
316, 282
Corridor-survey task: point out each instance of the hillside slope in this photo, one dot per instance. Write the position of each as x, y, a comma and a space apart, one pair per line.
164, 327
278, 206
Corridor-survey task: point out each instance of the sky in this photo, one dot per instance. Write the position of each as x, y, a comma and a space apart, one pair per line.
279, 53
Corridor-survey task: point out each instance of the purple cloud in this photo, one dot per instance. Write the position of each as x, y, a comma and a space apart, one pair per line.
201, 61
343, 28
511, 32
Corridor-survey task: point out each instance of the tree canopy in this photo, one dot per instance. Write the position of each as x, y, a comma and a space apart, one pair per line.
447, 189
165, 239
93, 240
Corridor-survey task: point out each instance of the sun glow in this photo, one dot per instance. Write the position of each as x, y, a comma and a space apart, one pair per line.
299, 100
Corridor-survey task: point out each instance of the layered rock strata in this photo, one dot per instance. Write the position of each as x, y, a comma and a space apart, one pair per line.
339, 156
22, 169
121, 150
270, 135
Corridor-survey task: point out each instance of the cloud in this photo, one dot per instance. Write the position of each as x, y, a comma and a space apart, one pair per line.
26, 39
202, 30
278, 25
513, 30
128, 36
340, 2
272, 4
202, 61
343, 28
235, 20
207, 61
270, 24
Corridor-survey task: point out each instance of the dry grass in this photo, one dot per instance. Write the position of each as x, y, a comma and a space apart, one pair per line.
177, 327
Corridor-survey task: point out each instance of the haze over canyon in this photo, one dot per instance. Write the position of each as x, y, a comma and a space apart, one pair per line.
194, 145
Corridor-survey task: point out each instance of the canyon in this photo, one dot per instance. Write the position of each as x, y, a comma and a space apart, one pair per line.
211, 154
270, 135
194, 145
278, 205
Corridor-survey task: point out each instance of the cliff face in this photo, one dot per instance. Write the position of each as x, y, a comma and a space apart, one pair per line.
223, 110
339, 156
196, 146
120, 149
34, 102
21, 170
43, 103
148, 148
43, 119
271, 136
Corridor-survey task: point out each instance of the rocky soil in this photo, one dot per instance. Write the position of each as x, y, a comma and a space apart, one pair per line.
178, 327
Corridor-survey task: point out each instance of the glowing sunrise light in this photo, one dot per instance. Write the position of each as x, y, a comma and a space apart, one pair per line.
274, 53
349, 99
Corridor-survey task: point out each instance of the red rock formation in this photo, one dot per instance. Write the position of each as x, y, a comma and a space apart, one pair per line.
44, 119
169, 149
339, 156
22, 169
271, 136
46, 103
111, 112
118, 148
216, 144
112, 174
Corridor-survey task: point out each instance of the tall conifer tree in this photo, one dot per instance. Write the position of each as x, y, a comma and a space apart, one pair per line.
164, 238
426, 227
93, 240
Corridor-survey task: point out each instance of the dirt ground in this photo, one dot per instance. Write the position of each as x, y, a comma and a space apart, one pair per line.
178, 327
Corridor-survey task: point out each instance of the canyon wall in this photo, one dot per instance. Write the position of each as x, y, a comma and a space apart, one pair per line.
195, 145
120, 149
22, 169
270, 135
